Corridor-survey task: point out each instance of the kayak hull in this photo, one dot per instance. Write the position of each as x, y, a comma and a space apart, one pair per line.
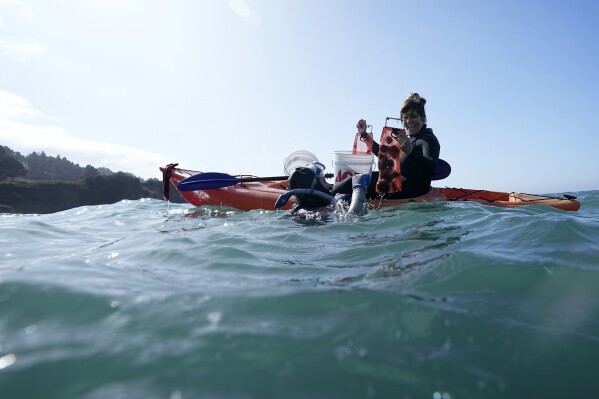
263, 195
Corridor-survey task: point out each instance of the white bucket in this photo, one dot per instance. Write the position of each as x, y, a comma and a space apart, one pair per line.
298, 159
345, 164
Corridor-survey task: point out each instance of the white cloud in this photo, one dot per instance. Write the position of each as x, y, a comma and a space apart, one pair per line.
12, 105
21, 8
15, 12
24, 129
242, 9
20, 47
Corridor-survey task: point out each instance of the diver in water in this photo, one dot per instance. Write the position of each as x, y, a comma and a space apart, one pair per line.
308, 185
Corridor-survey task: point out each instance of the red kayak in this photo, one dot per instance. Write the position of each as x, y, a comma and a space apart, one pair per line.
251, 195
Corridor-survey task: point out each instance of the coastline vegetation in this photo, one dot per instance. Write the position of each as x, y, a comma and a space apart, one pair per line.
38, 183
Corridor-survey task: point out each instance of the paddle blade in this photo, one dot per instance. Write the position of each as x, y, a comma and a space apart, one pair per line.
206, 181
443, 170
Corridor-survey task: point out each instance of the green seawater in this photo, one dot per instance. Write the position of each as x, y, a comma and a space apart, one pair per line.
144, 299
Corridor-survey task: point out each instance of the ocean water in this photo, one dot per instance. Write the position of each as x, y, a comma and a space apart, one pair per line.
144, 299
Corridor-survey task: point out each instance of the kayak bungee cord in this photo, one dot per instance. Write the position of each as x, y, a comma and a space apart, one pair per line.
501, 197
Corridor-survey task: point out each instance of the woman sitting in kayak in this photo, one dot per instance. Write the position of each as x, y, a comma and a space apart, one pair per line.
419, 154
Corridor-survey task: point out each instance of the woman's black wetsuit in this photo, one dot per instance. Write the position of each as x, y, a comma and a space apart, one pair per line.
416, 169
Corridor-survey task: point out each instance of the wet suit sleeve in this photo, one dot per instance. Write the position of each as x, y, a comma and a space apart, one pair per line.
375, 148
424, 156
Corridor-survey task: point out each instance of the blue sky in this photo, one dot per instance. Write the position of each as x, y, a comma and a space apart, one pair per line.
235, 86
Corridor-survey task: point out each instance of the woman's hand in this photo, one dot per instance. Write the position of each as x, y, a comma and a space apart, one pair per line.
404, 142
361, 125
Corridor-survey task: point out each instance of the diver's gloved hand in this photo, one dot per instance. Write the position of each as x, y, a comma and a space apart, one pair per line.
359, 204
360, 180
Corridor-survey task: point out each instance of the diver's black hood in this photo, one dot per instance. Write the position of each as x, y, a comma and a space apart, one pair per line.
305, 177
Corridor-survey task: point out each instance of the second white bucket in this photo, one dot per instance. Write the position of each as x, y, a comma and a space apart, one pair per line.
346, 163
297, 159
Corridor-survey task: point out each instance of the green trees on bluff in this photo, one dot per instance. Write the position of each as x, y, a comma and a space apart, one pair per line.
38, 183
10, 167
39, 166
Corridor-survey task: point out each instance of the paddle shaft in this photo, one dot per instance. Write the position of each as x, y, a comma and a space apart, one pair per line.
272, 178
250, 179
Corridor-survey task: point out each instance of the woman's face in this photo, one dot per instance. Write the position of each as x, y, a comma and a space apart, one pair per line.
412, 121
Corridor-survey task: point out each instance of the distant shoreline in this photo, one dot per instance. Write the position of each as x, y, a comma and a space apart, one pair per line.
37, 196
38, 183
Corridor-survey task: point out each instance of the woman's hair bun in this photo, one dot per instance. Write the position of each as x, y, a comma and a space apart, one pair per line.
415, 97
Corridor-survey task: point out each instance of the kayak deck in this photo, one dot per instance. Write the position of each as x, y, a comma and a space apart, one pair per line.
263, 195
506, 199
